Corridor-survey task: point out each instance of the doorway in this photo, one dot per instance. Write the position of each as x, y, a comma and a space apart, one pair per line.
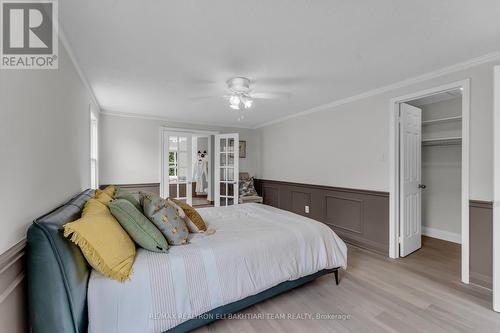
202, 167
199, 167
181, 166
429, 170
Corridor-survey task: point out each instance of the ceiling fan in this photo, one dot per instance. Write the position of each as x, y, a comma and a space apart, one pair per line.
240, 95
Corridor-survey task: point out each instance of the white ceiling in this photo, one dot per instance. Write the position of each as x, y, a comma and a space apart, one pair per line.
152, 57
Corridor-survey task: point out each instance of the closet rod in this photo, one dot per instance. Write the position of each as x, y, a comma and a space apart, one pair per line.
441, 120
442, 142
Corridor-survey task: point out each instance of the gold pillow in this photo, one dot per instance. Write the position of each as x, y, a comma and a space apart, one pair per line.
194, 221
103, 197
110, 190
106, 246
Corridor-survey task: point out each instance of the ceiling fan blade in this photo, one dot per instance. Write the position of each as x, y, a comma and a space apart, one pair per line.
269, 95
206, 97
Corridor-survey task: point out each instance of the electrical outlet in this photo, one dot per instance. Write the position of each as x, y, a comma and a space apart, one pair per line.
306, 209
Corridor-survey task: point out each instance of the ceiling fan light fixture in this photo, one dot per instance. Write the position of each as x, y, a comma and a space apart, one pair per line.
234, 100
240, 101
248, 103
239, 88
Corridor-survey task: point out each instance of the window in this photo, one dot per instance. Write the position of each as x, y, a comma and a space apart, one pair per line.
172, 165
94, 153
177, 158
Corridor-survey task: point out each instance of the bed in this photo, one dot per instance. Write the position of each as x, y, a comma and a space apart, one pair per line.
256, 252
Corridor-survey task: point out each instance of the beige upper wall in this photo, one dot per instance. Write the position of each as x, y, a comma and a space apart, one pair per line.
130, 148
44, 143
348, 145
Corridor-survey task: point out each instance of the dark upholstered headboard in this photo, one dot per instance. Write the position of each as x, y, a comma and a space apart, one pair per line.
57, 272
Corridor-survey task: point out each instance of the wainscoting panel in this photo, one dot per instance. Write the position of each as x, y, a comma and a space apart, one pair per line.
359, 217
136, 188
270, 195
299, 200
13, 301
345, 213
481, 242
153, 188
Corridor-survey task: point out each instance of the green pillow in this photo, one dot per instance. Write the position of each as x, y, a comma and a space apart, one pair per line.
124, 194
166, 217
140, 229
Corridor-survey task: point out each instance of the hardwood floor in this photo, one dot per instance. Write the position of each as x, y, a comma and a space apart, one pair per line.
200, 202
419, 293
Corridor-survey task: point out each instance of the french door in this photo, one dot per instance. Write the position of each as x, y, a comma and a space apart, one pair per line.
226, 169
177, 166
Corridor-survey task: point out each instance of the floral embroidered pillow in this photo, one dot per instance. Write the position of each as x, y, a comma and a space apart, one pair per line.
166, 217
247, 188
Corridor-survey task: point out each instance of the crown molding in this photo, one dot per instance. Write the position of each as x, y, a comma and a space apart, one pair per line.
167, 120
69, 50
407, 82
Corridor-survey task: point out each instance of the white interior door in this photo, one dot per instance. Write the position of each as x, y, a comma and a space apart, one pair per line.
410, 231
177, 166
226, 169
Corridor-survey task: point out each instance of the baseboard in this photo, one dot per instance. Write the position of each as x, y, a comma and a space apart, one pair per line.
442, 234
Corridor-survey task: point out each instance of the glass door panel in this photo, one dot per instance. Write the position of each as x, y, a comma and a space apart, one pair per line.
230, 144
176, 182
226, 179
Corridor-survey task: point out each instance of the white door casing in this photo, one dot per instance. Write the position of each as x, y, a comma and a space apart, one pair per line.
394, 172
226, 179
496, 190
410, 179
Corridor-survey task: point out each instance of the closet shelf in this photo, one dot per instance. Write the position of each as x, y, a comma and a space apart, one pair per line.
449, 141
441, 120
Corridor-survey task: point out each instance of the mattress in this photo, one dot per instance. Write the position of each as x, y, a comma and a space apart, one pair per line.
255, 247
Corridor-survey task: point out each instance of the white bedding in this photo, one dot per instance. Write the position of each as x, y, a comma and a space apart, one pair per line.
254, 248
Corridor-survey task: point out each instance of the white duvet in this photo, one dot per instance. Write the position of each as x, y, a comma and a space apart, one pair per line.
254, 248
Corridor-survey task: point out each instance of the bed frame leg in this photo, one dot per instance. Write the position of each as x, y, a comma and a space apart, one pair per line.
336, 273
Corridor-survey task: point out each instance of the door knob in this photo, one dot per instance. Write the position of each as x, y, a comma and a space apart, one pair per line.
422, 186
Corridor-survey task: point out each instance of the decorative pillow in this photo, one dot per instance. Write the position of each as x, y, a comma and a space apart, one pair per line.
154, 203
181, 212
103, 197
193, 220
247, 188
166, 217
110, 190
106, 246
124, 194
142, 231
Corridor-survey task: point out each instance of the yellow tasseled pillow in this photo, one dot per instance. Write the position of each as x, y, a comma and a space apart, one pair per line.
110, 190
106, 246
103, 197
